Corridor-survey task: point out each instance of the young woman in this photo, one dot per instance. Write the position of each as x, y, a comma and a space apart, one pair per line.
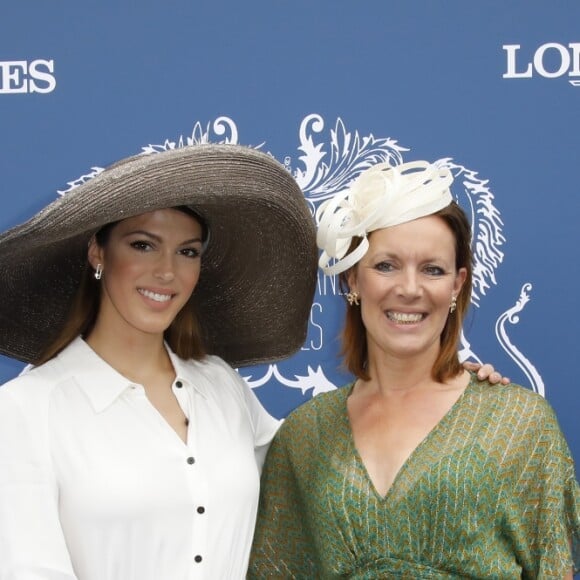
132, 450
415, 470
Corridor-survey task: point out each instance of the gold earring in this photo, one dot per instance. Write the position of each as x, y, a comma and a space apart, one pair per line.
352, 298
453, 305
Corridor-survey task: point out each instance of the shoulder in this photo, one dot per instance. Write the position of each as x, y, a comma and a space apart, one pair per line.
25, 401
307, 434
512, 399
34, 384
515, 410
211, 367
208, 362
214, 378
40, 381
315, 415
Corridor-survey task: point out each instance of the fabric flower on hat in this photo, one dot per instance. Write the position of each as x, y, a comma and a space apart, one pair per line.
382, 196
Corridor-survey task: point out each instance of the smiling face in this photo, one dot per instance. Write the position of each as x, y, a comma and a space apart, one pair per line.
151, 265
406, 281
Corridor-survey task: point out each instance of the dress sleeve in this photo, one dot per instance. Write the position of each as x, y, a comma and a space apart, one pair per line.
547, 503
283, 544
32, 545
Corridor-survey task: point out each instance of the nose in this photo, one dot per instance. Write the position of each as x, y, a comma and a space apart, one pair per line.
165, 267
409, 284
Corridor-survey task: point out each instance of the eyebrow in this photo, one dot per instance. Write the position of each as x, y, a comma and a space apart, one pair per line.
382, 255
159, 238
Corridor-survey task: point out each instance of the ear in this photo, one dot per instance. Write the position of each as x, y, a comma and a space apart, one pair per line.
351, 279
459, 280
95, 253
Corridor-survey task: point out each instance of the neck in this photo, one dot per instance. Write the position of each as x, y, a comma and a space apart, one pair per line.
135, 355
394, 373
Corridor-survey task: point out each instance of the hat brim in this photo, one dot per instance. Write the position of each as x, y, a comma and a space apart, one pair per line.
258, 272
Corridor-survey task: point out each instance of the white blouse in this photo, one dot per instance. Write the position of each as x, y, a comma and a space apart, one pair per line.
95, 484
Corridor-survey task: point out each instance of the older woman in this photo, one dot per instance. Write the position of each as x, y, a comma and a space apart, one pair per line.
415, 470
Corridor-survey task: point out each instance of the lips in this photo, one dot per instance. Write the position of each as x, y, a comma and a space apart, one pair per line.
405, 317
156, 296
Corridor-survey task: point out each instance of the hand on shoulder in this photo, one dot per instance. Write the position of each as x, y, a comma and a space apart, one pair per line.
486, 372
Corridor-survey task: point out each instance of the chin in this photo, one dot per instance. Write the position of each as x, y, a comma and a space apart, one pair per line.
153, 328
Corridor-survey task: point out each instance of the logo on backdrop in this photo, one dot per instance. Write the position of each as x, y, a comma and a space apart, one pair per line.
550, 60
22, 76
327, 162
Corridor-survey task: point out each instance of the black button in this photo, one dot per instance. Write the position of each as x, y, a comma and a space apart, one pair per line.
198, 559
190, 460
200, 509
178, 384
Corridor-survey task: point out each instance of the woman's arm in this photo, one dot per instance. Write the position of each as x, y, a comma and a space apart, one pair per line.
32, 545
544, 508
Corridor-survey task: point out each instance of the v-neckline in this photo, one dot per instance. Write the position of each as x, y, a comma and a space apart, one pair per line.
447, 417
166, 426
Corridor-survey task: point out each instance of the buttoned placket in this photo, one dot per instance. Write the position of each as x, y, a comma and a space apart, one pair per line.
186, 396
191, 467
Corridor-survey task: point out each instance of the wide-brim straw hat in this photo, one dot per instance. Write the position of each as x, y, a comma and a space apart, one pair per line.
258, 272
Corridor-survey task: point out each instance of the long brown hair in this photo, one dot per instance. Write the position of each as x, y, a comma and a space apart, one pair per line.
183, 335
447, 365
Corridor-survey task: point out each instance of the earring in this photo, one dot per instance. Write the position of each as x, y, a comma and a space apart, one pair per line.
352, 298
453, 305
98, 272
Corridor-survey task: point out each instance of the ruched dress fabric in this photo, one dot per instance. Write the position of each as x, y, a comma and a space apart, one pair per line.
489, 493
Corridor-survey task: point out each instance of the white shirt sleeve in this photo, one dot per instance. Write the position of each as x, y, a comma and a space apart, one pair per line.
32, 545
263, 424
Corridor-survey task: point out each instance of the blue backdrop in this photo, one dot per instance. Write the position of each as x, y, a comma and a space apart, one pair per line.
492, 88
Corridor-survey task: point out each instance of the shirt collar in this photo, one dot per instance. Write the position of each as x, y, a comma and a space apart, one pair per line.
102, 384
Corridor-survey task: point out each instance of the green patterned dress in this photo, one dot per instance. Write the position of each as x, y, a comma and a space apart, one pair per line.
489, 493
